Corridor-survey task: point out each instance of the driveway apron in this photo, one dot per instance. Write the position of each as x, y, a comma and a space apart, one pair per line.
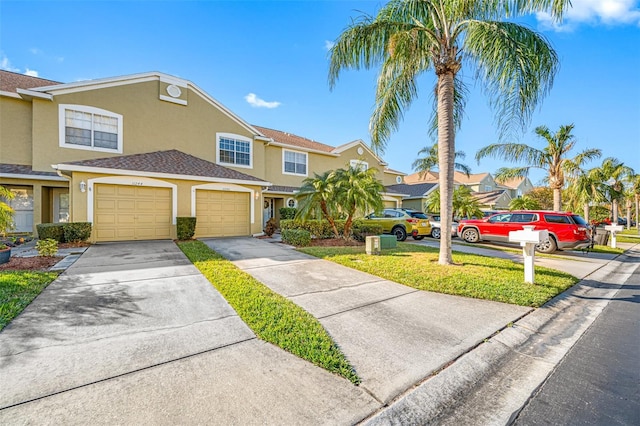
133, 333
394, 335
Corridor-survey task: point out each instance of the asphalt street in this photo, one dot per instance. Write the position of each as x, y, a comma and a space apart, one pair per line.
598, 382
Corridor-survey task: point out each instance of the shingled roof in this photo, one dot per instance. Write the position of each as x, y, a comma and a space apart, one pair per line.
489, 197
293, 140
10, 81
417, 190
172, 162
20, 169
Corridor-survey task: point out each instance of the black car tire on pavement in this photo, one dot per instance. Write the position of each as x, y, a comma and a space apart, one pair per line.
470, 235
548, 246
435, 233
400, 233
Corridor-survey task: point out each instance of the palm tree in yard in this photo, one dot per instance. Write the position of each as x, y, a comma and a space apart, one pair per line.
315, 200
553, 158
411, 37
464, 203
524, 203
429, 160
583, 191
611, 176
635, 191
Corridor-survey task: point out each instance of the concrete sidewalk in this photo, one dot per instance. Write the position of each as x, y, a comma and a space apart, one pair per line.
395, 336
132, 333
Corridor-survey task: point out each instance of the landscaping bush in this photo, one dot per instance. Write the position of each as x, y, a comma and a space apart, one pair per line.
296, 237
288, 213
51, 230
47, 247
76, 231
317, 228
186, 227
270, 228
361, 230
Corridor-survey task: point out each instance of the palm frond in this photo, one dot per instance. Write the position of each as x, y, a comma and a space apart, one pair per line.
506, 173
513, 153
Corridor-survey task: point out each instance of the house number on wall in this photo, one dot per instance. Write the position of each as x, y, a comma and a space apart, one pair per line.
136, 183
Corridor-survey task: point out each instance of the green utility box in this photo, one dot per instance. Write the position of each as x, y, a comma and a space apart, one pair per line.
388, 241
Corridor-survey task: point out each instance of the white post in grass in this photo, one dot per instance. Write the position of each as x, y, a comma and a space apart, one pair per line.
528, 239
613, 229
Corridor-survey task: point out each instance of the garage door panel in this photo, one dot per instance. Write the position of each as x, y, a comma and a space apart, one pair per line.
222, 213
132, 212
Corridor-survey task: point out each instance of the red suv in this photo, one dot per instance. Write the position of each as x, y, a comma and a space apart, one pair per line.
566, 230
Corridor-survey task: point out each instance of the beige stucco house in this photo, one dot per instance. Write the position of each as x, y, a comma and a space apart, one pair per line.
132, 153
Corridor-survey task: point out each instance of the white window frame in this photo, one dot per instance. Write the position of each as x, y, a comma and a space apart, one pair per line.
359, 163
306, 163
237, 138
295, 203
62, 108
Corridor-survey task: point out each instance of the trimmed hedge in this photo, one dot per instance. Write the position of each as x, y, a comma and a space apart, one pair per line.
54, 231
186, 227
361, 230
317, 228
288, 213
76, 231
296, 237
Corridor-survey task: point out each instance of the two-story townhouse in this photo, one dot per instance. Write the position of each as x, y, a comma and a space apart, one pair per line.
132, 153
517, 187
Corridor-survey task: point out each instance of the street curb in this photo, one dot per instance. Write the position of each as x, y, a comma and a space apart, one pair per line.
507, 369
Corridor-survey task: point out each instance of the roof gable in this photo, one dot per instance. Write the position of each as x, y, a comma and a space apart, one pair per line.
292, 140
11, 81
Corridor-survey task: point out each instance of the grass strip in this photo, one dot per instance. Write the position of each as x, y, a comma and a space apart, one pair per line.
18, 289
476, 276
272, 317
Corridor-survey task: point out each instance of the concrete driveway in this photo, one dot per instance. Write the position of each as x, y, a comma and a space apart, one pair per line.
394, 335
133, 333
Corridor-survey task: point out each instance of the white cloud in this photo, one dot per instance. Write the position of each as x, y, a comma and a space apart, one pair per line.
328, 45
32, 73
608, 12
35, 51
5, 64
256, 102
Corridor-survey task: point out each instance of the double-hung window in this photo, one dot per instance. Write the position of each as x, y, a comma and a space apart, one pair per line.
295, 163
234, 150
359, 164
84, 127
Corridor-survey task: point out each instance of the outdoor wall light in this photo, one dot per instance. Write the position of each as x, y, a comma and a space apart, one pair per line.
83, 186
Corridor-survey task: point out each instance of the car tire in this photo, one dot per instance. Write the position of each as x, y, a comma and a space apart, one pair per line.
548, 246
418, 237
470, 235
400, 233
435, 233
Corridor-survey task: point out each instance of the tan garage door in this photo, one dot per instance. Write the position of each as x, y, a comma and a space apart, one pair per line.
389, 204
125, 212
222, 213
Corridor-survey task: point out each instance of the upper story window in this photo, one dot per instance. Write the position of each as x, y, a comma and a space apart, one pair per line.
359, 164
294, 163
84, 127
234, 150
488, 188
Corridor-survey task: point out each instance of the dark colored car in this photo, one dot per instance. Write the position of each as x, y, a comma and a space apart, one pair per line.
566, 230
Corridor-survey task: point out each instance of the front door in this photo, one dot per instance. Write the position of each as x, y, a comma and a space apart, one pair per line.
268, 211
61, 205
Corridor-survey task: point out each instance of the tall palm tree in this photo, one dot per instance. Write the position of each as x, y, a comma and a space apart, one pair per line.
356, 190
316, 200
583, 191
552, 158
464, 204
611, 176
635, 189
524, 203
429, 161
410, 37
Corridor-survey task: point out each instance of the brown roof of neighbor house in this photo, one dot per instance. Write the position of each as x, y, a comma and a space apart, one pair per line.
511, 183
169, 162
20, 169
458, 177
489, 197
10, 81
293, 140
422, 177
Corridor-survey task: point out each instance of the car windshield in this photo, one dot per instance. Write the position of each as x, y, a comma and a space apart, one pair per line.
418, 215
579, 220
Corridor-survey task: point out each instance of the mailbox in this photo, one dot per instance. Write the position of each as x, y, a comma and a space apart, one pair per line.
528, 238
372, 244
613, 229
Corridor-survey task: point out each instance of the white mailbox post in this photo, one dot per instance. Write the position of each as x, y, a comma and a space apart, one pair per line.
613, 229
528, 238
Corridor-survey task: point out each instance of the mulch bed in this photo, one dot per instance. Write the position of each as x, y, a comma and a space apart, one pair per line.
335, 242
37, 263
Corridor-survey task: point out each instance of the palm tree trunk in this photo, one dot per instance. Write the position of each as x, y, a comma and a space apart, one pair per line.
586, 212
628, 213
446, 153
557, 199
638, 212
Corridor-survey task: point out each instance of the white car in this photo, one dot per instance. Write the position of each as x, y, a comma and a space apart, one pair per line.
434, 220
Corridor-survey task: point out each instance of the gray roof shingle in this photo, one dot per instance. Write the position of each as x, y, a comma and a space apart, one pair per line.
172, 162
11, 81
20, 169
415, 191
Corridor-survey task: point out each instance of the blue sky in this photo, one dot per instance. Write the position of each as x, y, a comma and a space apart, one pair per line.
268, 60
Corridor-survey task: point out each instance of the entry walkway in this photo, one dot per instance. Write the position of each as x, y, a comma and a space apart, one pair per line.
395, 336
132, 333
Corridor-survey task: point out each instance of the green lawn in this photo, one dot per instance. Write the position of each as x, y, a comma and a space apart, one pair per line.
271, 316
628, 236
474, 276
18, 289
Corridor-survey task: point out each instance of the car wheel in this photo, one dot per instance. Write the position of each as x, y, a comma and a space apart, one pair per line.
400, 233
470, 235
548, 246
435, 233
418, 237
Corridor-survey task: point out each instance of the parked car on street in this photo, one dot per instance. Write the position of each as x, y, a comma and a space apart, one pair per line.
434, 220
401, 222
566, 230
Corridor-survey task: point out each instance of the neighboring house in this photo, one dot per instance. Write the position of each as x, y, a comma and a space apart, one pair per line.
415, 194
132, 153
493, 200
516, 187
